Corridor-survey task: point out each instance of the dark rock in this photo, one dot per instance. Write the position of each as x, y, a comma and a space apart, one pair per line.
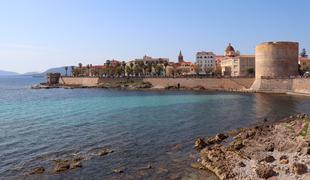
265, 171
37, 170
62, 166
118, 171
216, 139
220, 137
283, 157
200, 144
104, 152
241, 164
269, 147
237, 145
268, 159
299, 168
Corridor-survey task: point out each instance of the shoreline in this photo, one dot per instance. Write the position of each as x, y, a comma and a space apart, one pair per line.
196, 89
279, 150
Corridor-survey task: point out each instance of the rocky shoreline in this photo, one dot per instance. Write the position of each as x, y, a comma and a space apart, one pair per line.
278, 150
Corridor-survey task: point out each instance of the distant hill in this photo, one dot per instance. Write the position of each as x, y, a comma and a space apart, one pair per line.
31, 73
57, 70
8, 73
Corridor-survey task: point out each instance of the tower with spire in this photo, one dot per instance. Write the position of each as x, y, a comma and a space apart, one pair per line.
180, 58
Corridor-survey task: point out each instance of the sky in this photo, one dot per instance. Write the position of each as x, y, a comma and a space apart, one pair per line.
39, 34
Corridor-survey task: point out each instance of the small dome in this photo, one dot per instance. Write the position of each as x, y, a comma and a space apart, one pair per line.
230, 48
230, 51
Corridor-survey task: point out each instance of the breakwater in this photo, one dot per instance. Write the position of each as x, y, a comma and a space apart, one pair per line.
162, 83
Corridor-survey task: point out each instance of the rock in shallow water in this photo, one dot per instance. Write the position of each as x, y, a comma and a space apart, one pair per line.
200, 144
104, 152
62, 166
118, 171
37, 170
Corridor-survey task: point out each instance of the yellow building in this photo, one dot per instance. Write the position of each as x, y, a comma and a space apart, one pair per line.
304, 64
243, 65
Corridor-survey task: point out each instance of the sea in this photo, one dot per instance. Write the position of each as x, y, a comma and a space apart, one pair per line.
151, 133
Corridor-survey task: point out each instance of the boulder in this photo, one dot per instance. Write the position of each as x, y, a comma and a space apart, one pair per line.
268, 159
241, 164
269, 147
61, 166
104, 152
265, 171
299, 168
118, 171
37, 170
200, 144
236, 145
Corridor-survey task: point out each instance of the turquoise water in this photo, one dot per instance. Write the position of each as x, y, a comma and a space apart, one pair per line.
142, 127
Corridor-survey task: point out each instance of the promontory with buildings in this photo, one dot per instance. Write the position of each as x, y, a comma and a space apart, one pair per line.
276, 67
278, 150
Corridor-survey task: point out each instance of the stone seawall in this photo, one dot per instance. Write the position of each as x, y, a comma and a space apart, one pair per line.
79, 81
207, 83
161, 83
296, 85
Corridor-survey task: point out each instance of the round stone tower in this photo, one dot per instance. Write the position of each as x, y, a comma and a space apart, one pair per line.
275, 60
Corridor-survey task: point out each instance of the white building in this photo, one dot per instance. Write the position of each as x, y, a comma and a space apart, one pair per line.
205, 61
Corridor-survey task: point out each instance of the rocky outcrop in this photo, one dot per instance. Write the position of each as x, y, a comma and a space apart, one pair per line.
37, 170
279, 149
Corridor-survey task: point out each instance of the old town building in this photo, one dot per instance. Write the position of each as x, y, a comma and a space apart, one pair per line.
236, 65
205, 61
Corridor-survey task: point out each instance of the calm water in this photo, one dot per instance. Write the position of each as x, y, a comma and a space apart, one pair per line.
157, 128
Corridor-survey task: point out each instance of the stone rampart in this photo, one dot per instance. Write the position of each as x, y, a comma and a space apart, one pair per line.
274, 85
79, 81
285, 85
207, 83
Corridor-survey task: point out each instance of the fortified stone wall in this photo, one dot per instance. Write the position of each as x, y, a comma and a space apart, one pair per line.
207, 83
301, 85
117, 80
297, 85
79, 81
276, 85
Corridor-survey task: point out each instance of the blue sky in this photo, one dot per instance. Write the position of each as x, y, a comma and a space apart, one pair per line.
38, 34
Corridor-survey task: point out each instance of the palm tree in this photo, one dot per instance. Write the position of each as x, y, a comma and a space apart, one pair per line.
123, 68
108, 64
66, 69
165, 64
131, 67
72, 70
88, 67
